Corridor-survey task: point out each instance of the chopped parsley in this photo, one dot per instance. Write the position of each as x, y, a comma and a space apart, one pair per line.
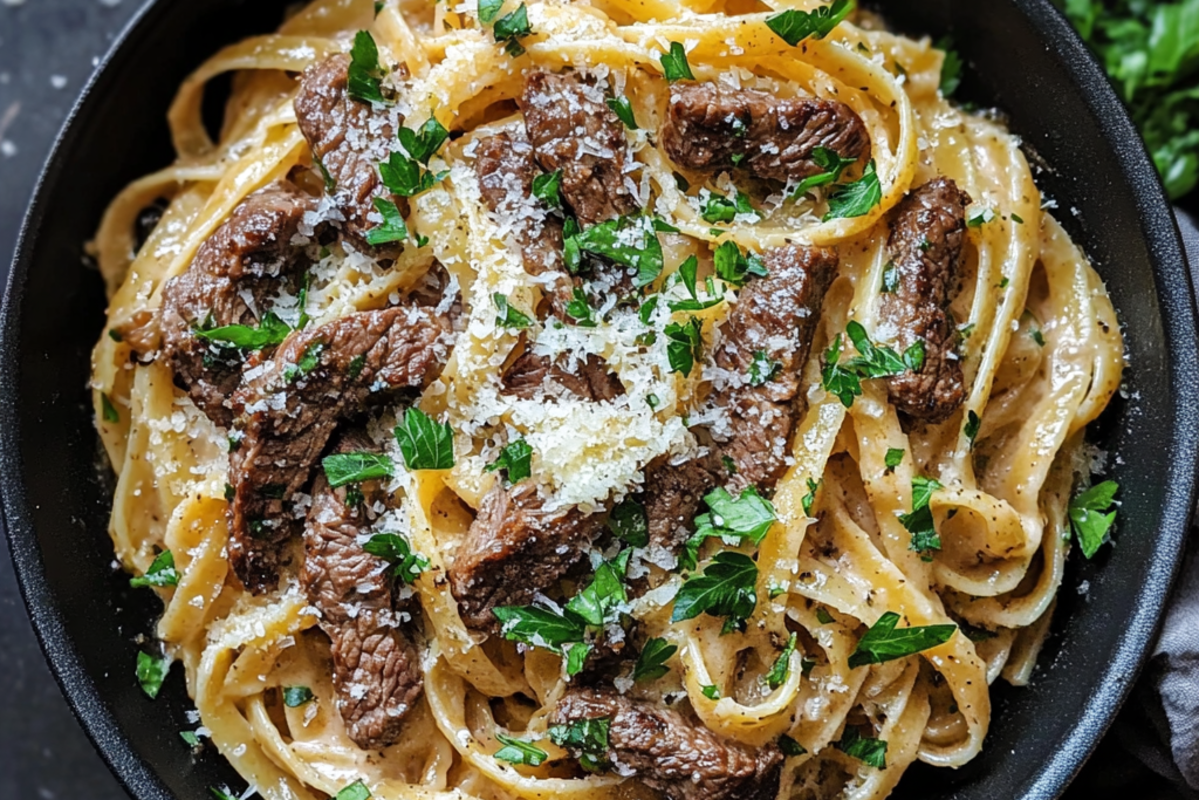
871, 752
893, 458
790, 747
296, 696
520, 751
190, 738
687, 274
547, 188
685, 345
793, 26
356, 365
884, 642
539, 626
355, 791
587, 739
856, 199
748, 516
579, 310
725, 589
509, 316
598, 602
489, 10
516, 461
651, 664
424, 442
711, 691
782, 665
392, 229
115, 335
735, 268
1016, 218
395, 550
343, 468
405, 173
874, 361
951, 67
161, 572
511, 28
763, 369
980, 218
822, 615
809, 499
972, 425
270, 331
364, 71
718, 208
832, 165
1037, 336
1090, 517
623, 109
629, 523
1003, 284
151, 672
674, 64
890, 278
919, 522
310, 359
630, 241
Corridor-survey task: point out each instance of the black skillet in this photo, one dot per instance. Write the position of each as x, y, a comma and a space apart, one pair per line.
1022, 58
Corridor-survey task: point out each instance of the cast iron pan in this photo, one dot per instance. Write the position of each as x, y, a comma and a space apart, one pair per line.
1023, 59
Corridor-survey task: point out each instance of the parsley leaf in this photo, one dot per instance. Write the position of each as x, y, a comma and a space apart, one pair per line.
509, 316
489, 10
310, 359
685, 346
725, 589
919, 522
822, 615
515, 459
856, 199
271, 331
107, 410
749, 516
343, 468
392, 229
793, 26
394, 549
539, 626
735, 268
874, 361
296, 696
711, 691
546, 188
520, 751
355, 791
832, 164
618, 240
425, 443
890, 278
580, 310
190, 738
763, 369
624, 110
782, 665
161, 573
893, 458
629, 523
885, 642
1090, 518
424, 142
586, 738
972, 425
151, 672
404, 174
951, 67
651, 664
687, 273
790, 747
980, 218
364, 71
674, 64
871, 752
718, 208
512, 27
598, 602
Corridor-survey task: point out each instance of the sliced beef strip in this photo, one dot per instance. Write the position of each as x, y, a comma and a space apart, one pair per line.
572, 129
376, 667
708, 125
349, 138
515, 549
775, 316
290, 405
928, 232
672, 754
532, 376
231, 281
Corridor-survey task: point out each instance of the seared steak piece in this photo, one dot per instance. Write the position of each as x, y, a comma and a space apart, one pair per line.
290, 405
928, 231
376, 667
774, 321
231, 281
515, 549
506, 171
708, 125
532, 376
349, 138
572, 129
671, 753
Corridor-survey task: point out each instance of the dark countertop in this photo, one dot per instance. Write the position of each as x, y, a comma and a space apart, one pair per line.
48, 49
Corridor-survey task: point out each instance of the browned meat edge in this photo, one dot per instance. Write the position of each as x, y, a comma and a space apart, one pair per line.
376, 666
670, 753
926, 245
708, 125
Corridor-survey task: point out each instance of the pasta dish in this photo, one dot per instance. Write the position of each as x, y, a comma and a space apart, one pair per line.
628, 398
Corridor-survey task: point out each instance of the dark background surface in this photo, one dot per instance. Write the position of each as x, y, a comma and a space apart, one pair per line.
48, 49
